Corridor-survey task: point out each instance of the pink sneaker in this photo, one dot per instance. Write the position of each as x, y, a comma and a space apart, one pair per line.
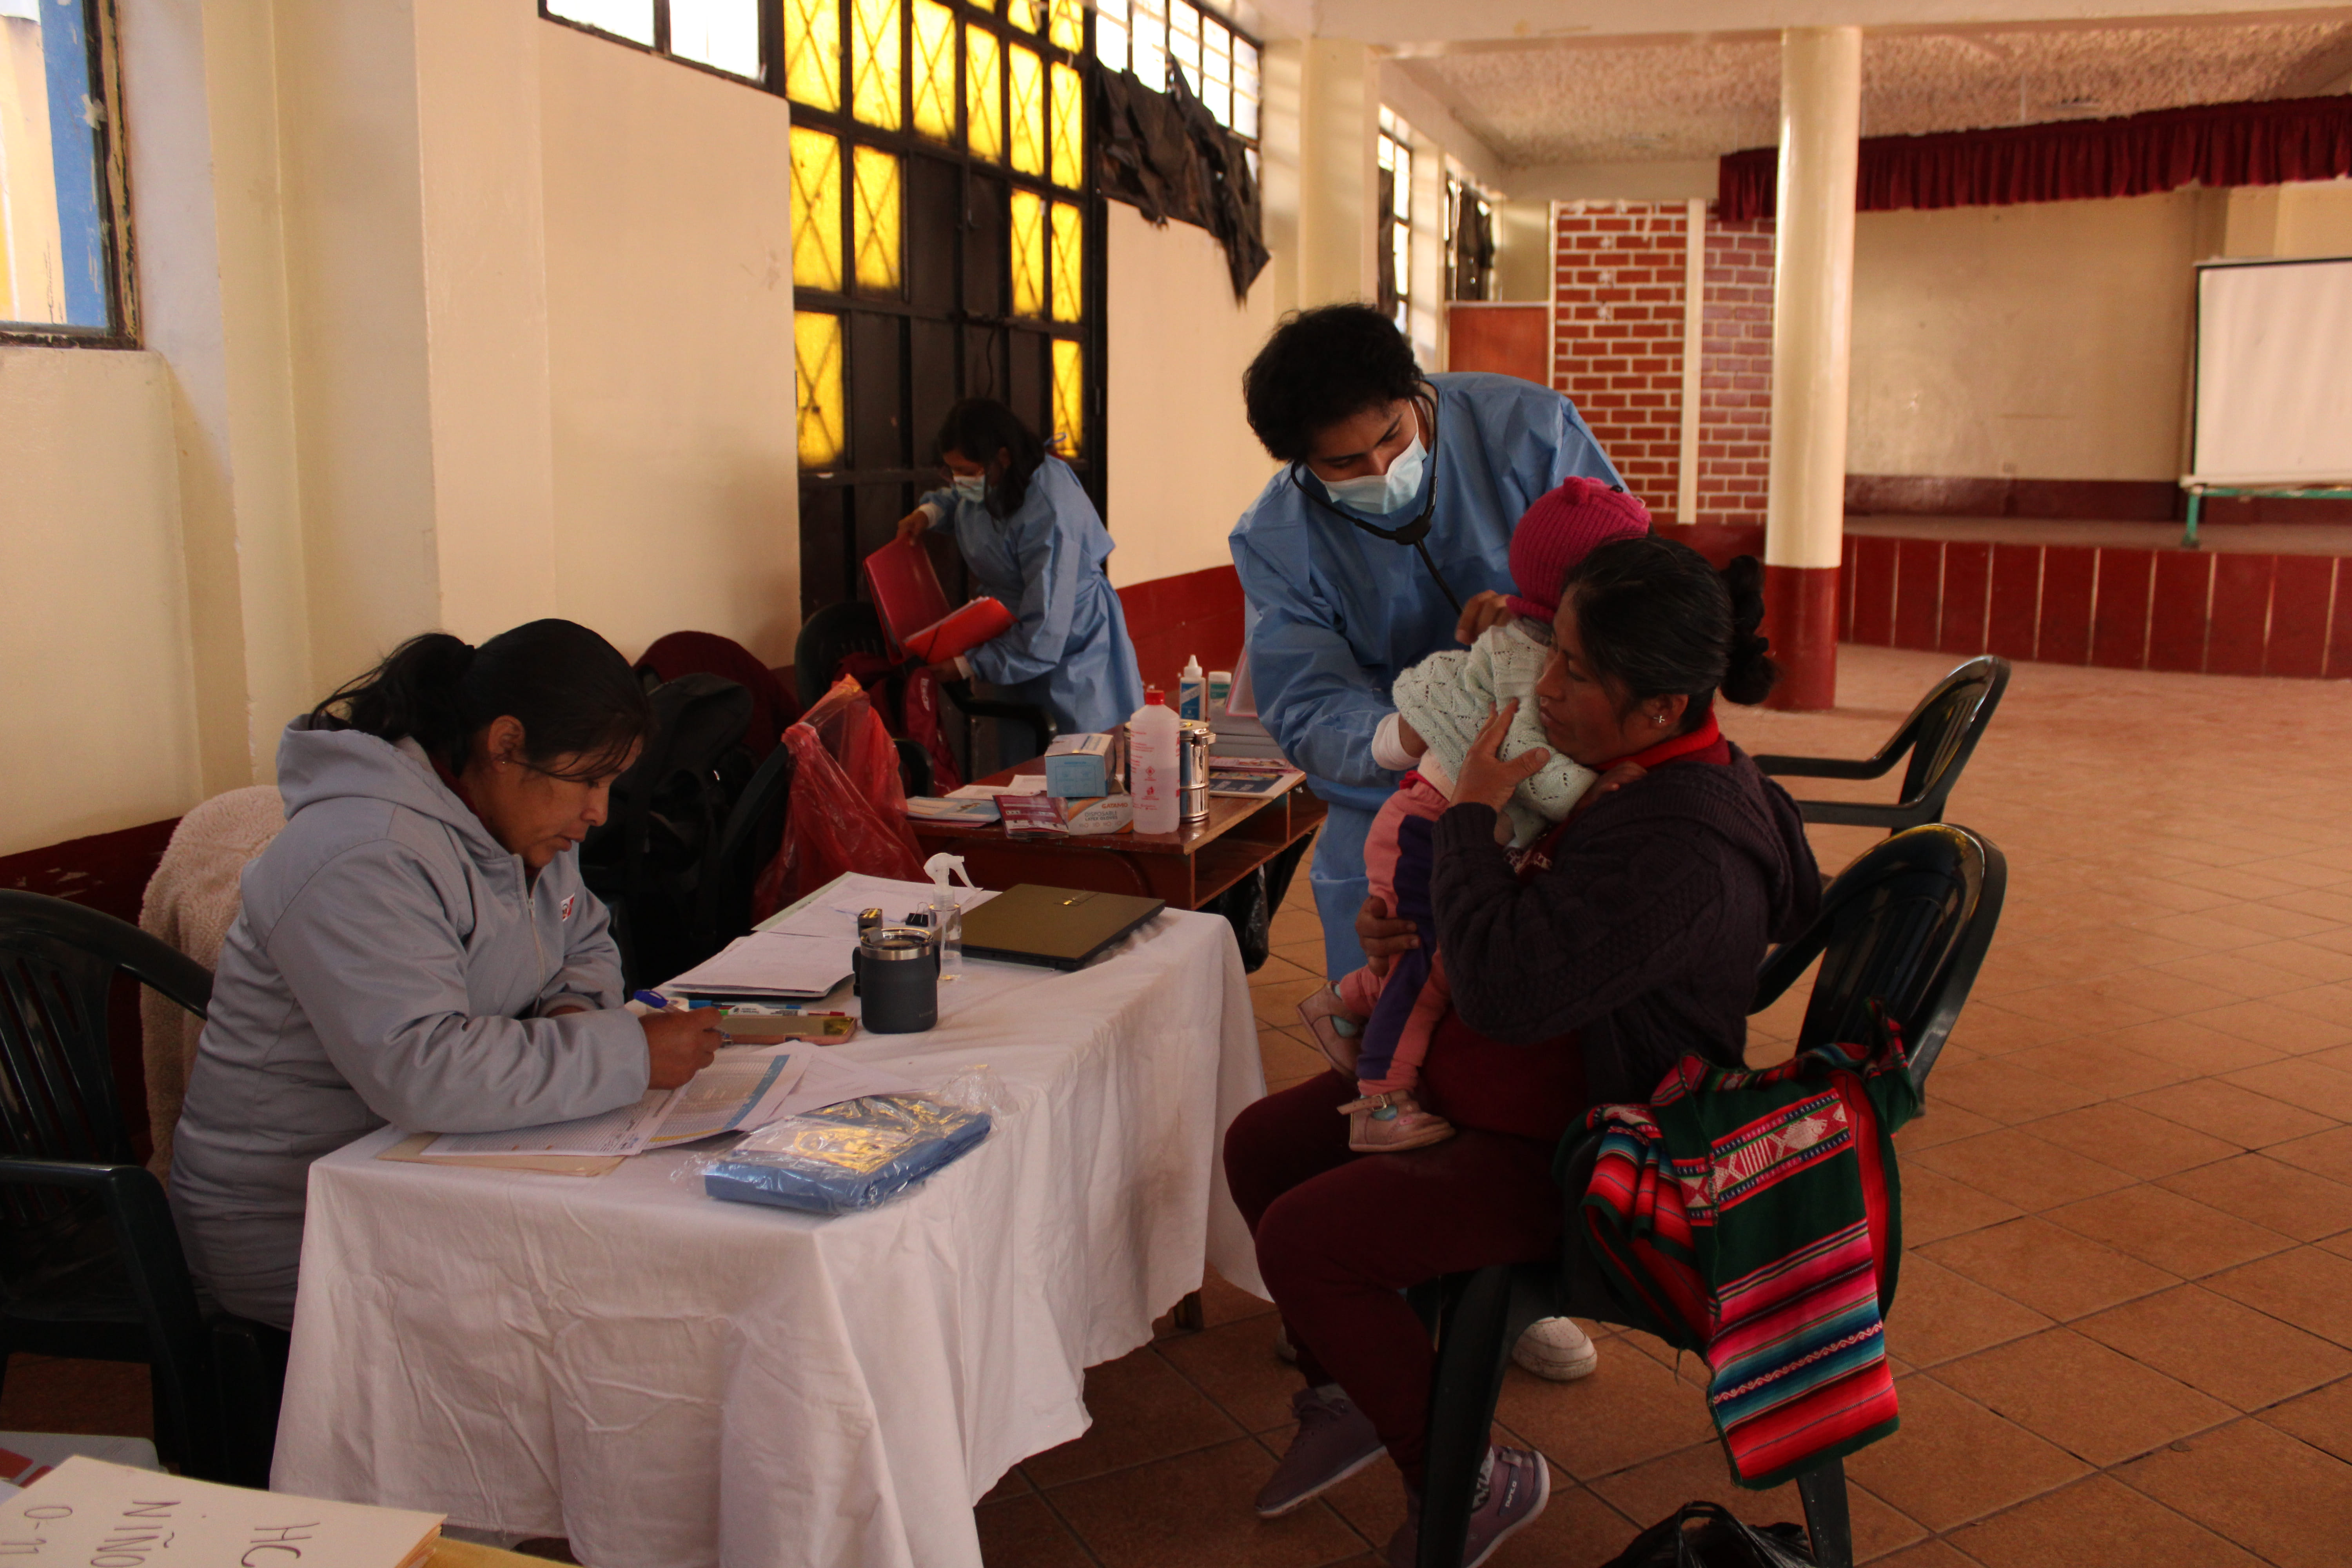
1336, 1030
1513, 1491
1391, 1123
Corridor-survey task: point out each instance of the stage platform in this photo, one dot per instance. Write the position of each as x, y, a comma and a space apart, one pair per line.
2253, 599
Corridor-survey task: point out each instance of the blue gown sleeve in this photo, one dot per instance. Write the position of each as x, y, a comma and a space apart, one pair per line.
946, 501
1319, 705
1049, 555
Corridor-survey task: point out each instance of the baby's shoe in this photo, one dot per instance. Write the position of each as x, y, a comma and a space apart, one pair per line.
1337, 1033
1389, 1123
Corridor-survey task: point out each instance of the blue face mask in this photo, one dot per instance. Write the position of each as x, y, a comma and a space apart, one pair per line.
971, 486
1382, 494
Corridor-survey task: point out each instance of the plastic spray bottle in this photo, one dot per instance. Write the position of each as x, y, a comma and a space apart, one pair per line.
1154, 763
1192, 690
946, 915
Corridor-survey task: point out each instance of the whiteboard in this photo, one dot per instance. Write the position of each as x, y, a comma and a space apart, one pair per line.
2274, 373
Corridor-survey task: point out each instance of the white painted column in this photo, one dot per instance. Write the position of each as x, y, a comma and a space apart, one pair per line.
1693, 334
1338, 173
1812, 315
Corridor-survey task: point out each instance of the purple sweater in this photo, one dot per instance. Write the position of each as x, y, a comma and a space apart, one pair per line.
1642, 935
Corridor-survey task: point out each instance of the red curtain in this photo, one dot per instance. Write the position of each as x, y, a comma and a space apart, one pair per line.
2215, 145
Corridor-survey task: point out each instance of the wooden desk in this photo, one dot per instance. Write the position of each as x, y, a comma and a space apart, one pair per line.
1186, 869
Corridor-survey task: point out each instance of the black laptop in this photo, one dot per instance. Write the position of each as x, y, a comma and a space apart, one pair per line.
1061, 927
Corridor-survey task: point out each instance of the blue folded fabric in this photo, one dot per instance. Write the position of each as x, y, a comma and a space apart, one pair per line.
856, 1155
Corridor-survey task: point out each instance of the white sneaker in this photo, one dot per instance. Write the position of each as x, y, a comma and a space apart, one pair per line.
1557, 1349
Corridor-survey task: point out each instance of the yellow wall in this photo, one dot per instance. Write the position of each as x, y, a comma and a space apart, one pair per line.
669, 348
456, 317
1182, 462
2046, 341
98, 729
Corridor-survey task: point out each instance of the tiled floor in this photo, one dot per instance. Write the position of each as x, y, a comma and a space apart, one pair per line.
2124, 1326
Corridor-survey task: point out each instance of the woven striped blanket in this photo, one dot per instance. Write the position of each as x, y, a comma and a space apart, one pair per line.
1755, 1217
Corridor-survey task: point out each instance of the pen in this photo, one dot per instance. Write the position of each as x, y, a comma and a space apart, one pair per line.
654, 999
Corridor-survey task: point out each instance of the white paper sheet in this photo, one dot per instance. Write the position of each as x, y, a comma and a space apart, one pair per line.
772, 962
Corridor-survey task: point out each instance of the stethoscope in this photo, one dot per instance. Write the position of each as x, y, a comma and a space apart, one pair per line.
1414, 532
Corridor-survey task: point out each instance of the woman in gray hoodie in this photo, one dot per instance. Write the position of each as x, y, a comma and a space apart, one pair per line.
417, 947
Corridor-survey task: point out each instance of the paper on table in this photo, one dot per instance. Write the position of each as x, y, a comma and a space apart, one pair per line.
718, 1099
772, 962
742, 1090
831, 912
1023, 783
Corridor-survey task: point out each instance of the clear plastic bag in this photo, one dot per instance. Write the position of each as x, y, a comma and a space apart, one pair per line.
844, 1158
979, 1089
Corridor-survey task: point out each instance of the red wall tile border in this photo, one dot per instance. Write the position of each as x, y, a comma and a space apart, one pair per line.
2302, 590
2120, 608
1919, 593
1198, 614
2239, 623
1968, 566
2014, 616
2068, 575
2176, 609
1939, 495
2339, 633
1874, 591
1845, 589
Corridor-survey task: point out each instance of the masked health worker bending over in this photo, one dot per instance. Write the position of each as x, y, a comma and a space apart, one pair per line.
416, 946
1033, 540
1384, 537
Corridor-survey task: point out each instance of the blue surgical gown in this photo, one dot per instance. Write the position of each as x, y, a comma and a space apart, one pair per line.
1336, 613
1067, 652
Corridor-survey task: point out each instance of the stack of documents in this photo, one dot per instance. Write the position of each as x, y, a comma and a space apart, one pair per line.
768, 964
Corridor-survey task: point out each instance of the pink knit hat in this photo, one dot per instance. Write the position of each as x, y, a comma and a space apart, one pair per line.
1559, 529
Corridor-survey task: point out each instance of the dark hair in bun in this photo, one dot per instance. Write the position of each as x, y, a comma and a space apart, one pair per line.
573, 692
1658, 621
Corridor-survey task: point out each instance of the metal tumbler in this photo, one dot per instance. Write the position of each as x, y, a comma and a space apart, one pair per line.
896, 970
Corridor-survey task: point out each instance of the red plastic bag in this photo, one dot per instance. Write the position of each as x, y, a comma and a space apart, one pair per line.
848, 812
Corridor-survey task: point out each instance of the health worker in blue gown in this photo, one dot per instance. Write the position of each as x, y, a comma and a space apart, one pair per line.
1033, 540
1384, 537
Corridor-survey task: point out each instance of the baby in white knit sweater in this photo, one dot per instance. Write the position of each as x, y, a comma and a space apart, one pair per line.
1378, 1027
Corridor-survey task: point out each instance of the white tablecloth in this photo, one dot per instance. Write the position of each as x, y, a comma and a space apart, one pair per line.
672, 1381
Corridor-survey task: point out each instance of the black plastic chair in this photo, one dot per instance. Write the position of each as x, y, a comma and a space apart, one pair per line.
91, 1264
1939, 736
1906, 925
753, 833
839, 630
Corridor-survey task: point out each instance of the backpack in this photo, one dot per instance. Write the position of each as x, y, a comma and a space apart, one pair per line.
652, 856
1720, 1540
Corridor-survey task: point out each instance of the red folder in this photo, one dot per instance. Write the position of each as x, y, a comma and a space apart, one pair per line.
907, 589
914, 608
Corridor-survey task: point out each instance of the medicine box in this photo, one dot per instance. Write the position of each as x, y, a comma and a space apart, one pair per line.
1078, 767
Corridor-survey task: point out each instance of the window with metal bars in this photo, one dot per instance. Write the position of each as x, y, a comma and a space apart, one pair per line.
1395, 159
947, 242
1219, 62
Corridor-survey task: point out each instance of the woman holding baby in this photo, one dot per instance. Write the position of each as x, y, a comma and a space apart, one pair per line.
1584, 949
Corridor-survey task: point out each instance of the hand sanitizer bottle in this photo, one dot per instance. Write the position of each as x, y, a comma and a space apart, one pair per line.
946, 915
1154, 765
